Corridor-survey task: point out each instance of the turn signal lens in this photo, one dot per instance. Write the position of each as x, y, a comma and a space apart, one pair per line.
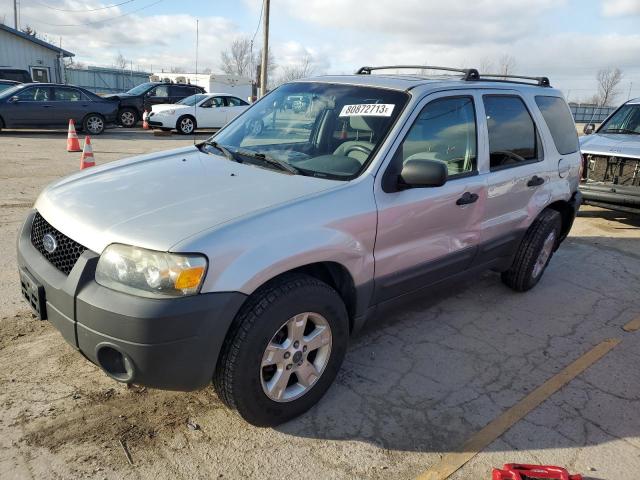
189, 278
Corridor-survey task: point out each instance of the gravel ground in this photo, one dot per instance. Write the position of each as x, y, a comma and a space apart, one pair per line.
415, 385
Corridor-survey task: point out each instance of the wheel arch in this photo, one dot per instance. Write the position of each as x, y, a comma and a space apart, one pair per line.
567, 214
195, 122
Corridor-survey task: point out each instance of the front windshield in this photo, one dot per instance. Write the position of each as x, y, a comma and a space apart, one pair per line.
143, 87
6, 86
192, 100
321, 129
9, 91
625, 120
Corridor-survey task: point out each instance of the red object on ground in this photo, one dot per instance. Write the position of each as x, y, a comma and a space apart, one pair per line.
513, 471
73, 144
86, 159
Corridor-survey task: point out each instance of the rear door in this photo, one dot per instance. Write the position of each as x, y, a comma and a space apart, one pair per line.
427, 234
516, 172
34, 108
70, 103
235, 107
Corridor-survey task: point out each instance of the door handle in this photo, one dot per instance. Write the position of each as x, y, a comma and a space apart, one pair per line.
47, 106
467, 198
535, 181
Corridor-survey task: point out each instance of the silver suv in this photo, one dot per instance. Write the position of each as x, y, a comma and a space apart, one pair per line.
250, 259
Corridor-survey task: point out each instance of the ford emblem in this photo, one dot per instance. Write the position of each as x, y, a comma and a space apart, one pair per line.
49, 243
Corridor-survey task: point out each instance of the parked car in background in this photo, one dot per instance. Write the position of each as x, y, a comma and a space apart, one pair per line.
611, 160
143, 97
5, 84
252, 257
45, 105
204, 110
20, 76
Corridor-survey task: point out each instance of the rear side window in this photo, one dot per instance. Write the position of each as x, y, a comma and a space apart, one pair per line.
235, 102
560, 123
512, 134
68, 95
183, 90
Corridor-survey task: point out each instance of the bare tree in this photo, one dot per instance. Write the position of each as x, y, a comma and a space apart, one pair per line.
120, 62
237, 60
302, 69
486, 65
608, 83
506, 65
177, 70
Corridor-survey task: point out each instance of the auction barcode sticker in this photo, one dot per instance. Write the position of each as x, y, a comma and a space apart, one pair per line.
368, 109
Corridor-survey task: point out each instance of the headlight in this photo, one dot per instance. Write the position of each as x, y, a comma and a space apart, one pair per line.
148, 273
170, 112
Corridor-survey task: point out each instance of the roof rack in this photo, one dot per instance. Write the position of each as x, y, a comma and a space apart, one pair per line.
497, 77
469, 73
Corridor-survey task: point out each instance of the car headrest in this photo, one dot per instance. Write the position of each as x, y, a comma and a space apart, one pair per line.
360, 123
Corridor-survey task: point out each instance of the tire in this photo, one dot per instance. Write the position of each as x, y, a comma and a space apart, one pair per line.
128, 117
242, 381
255, 127
93, 124
535, 252
186, 125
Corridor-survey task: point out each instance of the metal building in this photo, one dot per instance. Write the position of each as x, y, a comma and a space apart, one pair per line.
105, 80
42, 60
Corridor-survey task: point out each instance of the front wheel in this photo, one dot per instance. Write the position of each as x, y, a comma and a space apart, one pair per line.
284, 351
186, 125
93, 124
535, 252
127, 117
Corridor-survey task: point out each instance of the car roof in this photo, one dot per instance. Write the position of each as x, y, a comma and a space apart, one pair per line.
403, 82
634, 101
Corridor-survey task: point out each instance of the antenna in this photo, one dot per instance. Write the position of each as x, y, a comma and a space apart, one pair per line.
195, 103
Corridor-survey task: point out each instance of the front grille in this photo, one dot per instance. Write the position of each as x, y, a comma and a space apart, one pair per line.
65, 256
616, 170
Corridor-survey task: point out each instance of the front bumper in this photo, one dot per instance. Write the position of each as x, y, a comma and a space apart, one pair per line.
155, 120
625, 197
169, 343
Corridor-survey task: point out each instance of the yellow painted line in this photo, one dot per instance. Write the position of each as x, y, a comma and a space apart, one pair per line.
451, 462
632, 326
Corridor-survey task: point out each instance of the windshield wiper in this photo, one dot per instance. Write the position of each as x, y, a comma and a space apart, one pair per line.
282, 165
225, 151
620, 130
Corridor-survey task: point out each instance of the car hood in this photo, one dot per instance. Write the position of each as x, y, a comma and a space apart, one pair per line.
168, 106
155, 201
611, 144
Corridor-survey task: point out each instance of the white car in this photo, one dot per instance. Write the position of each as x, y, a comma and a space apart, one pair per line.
203, 110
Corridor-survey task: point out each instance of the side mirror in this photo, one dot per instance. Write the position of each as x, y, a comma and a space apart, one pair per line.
589, 128
422, 173
13, 99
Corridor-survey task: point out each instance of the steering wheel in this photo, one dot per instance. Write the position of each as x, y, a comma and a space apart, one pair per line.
511, 155
357, 148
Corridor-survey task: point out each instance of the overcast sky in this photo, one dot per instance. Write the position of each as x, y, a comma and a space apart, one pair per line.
567, 40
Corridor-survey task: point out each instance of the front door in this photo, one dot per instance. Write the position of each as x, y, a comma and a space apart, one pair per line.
157, 96
34, 108
427, 234
212, 113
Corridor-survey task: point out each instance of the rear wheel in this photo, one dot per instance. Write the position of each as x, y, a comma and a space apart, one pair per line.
93, 124
284, 351
535, 252
186, 125
128, 117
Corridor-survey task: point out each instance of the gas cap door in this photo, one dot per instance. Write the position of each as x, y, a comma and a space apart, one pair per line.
563, 168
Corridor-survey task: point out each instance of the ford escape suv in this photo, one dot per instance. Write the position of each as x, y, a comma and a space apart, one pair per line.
249, 260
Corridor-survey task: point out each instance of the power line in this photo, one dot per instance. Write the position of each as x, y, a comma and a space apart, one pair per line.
86, 10
259, 21
99, 21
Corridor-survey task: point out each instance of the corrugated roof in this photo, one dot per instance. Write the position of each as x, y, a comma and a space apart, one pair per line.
37, 41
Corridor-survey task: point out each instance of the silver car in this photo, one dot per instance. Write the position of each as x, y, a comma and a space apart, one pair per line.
250, 259
611, 176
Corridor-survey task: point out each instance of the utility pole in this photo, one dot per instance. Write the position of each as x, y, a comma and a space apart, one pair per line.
265, 49
15, 14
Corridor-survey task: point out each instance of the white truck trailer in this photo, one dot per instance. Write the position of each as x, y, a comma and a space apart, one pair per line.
241, 87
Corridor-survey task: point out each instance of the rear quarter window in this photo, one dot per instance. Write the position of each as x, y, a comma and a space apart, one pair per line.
558, 117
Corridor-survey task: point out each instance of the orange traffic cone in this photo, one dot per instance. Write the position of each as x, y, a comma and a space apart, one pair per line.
86, 159
145, 120
73, 144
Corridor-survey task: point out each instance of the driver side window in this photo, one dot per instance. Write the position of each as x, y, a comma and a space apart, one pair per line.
445, 130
